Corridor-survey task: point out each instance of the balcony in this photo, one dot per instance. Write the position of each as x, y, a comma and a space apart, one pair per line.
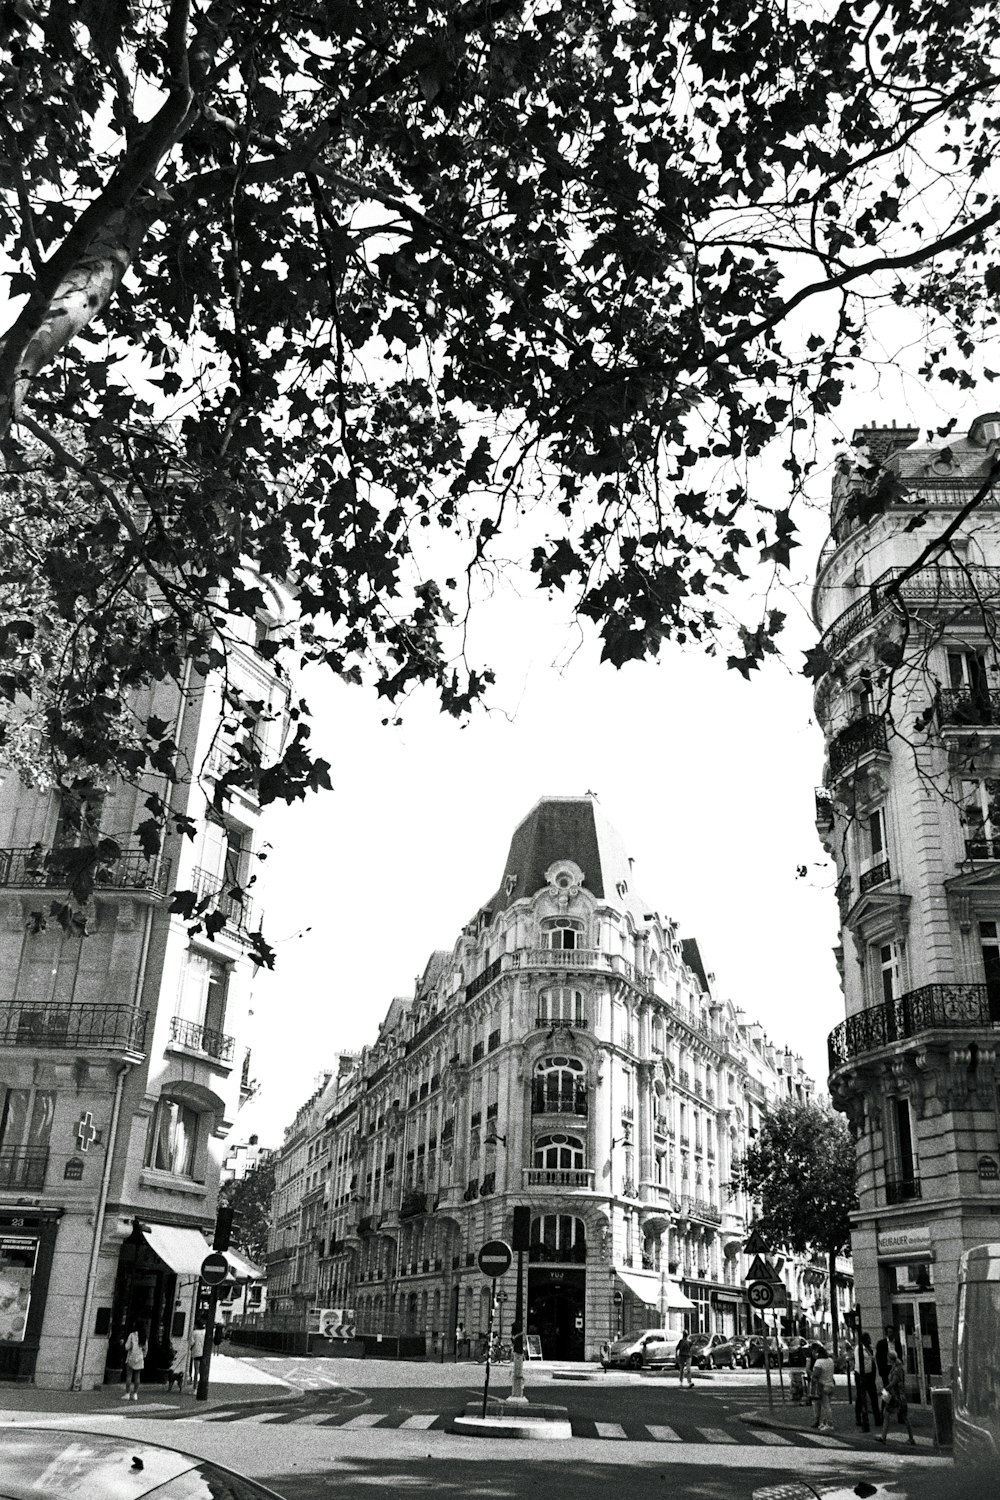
558, 1177
863, 736
876, 875
953, 589
23, 1167
428, 1029
34, 868
568, 1023
491, 972
933, 1007
217, 890
901, 1189
548, 1102
968, 708
108, 1028
214, 1044
700, 1208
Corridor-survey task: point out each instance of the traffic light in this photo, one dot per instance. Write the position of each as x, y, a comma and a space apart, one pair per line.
223, 1229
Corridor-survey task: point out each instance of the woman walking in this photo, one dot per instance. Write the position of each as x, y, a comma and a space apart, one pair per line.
895, 1399
135, 1360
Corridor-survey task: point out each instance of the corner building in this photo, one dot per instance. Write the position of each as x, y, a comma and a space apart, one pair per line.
569, 1054
122, 1042
909, 811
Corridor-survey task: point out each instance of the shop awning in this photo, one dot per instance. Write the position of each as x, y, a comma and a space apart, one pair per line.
182, 1249
243, 1270
650, 1288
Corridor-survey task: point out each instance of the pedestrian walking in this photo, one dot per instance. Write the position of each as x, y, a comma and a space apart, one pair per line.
887, 1342
823, 1382
218, 1334
135, 1361
684, 1359
865, 1374
895, 1399
197, 1347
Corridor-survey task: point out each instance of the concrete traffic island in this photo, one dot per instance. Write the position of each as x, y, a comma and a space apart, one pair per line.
514, 1419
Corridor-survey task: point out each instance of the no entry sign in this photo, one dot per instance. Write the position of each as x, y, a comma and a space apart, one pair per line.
495, 1258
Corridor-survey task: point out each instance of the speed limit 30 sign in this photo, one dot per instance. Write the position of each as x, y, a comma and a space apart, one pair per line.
760, 1294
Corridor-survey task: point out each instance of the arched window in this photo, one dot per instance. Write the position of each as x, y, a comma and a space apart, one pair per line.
559, 1152
560, 1087
560, 1003
562, 932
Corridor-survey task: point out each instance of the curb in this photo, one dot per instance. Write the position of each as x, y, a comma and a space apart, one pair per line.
531, 1428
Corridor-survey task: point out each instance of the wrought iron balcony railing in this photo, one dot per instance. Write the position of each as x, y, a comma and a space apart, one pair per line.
901, 1189
202, 1039
111, 1028
237, 910
862, 735
35, 867
969, 707
23, 1166
933, 1007
876, 875
928, 588
549, 1102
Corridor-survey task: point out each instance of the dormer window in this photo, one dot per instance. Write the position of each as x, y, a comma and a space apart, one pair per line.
562, 932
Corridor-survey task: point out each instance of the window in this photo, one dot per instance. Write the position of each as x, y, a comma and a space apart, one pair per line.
557, 1237
80, 809
864, 696
561, 1152
905, 1160
967, 669
560, 1004
202, 999
889, 970
173, 1138
562, 932
876, 836
989, 940
25, 1124
560, 1087
981, 816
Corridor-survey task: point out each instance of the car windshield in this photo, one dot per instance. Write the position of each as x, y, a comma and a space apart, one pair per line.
700, 1338
44, 1462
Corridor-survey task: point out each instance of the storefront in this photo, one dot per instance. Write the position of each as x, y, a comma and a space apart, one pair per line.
156, 1288
27, 1242
731, 1311
906, 1276
655, 1300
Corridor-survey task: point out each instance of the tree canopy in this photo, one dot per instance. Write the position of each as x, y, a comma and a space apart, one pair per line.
368, 298
801, 1170
250, 1198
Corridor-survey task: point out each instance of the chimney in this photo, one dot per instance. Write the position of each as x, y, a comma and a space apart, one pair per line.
883, 442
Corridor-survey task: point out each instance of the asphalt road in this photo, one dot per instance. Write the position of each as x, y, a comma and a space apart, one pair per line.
357, 1427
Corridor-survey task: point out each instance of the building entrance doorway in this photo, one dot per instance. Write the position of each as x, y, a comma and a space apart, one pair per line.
556, 1312
917, 1330
145, 1290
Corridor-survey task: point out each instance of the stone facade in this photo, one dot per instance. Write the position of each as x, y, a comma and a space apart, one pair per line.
570, 1054
909, 703
121, 1063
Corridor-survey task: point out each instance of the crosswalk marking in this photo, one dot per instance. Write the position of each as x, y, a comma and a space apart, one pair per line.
773, 1438
610, 1429
823, 1440
421, 1419
367, 1419
716, 1434
663, 1434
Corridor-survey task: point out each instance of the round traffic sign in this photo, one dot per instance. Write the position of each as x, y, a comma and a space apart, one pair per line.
618, 1298
495, 1258
760, 1294
214, 1268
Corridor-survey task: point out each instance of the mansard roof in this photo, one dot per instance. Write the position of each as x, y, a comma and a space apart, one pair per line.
571, 828
691, 954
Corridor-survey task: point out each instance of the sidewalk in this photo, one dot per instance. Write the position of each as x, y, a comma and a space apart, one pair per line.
790, 1418
230, 1380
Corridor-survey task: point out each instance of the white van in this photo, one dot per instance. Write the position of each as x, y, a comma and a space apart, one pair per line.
977, 1356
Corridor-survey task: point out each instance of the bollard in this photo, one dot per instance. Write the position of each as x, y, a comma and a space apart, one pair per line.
943, 1413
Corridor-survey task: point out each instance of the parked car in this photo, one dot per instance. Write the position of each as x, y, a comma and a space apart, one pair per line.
46, 1461
716, 1349
651, 1346
777, 1350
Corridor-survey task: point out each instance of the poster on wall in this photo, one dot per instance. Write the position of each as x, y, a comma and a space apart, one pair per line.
17, 1268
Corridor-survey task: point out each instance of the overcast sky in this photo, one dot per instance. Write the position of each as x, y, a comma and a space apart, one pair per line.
708, 778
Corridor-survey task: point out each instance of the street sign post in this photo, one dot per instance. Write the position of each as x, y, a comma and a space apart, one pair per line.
754, 1244
494, 1260
214, 1269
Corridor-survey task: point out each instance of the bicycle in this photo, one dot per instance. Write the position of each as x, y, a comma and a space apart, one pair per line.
501, 1354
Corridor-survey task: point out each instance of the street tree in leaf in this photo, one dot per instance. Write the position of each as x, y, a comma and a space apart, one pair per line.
375, 299
800, 1170
250, 1198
